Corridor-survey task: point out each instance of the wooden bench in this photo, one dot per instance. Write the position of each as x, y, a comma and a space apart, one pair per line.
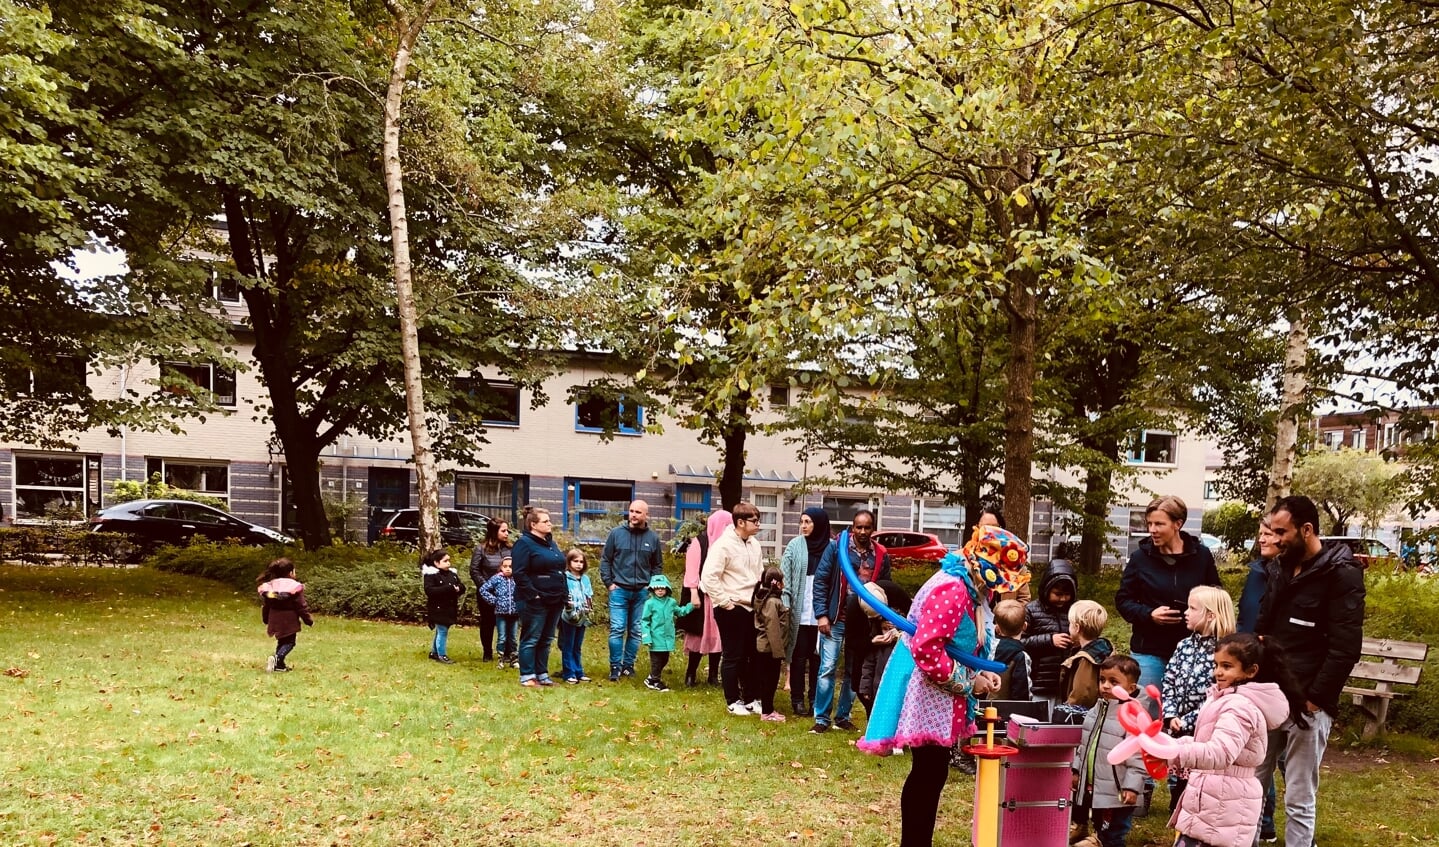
1385, 673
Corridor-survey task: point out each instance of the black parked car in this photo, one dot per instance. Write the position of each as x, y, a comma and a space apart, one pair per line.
457, 528
149, 523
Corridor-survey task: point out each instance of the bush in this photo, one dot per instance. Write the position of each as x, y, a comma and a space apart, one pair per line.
60, 544
154, 488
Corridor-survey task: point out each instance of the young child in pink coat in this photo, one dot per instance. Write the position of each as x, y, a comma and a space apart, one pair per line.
1253, 694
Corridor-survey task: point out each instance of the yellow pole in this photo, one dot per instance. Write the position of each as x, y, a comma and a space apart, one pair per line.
986, 798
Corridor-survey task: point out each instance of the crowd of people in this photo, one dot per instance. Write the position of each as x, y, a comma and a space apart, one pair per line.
1245, 689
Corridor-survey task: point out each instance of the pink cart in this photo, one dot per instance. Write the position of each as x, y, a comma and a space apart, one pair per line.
1034, 789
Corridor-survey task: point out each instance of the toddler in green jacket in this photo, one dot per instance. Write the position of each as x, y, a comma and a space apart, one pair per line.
657, 628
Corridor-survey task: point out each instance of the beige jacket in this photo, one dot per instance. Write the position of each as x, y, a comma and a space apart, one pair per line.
731, 570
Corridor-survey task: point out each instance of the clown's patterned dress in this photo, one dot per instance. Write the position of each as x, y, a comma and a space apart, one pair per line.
910, 707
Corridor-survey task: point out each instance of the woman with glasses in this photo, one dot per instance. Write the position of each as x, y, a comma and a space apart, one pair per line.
730, 573
541, 591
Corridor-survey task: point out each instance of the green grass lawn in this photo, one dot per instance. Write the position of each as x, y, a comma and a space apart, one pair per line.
138, 712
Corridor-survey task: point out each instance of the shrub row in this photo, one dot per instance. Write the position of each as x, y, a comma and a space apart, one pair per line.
60, 544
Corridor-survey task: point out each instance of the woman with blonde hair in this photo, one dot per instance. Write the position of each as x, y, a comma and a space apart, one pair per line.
1155, 586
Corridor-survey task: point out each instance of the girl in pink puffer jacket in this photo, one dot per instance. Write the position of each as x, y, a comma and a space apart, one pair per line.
1253, 694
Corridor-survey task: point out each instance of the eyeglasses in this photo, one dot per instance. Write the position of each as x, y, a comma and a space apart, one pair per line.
742, 520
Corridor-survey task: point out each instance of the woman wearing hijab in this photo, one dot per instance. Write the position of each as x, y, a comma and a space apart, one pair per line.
707, 642
801, 558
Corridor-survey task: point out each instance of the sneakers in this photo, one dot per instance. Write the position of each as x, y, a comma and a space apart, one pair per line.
614, 673
445, 660
530, 683
281, 669
627, 671
583, 678
846, 724
773, 717
654, 684
270, 664
738, 708
819, 728
754, 707
573, 680
1268, 836
545, 681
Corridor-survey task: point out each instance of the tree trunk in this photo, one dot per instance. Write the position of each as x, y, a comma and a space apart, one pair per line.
1097, 495
1019, 404
735, 433
426, 477
1295, 386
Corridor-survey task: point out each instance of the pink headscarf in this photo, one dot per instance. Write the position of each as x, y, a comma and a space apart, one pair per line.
717, 523
713, 529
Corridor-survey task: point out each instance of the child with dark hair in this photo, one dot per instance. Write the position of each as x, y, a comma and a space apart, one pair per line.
443, 591
771, 623
1106, 796
282, 608
499, 592
1253, 694
1046, 632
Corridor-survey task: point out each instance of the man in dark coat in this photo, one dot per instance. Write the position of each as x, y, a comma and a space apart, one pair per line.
1314, 609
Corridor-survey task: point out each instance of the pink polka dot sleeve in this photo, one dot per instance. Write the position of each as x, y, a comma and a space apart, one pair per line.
943, 609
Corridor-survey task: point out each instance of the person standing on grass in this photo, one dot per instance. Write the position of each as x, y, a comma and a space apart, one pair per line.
706, 642
443, 591
1314, 611
576, 617
282, 608
657, 628
484, 564
771, 623
731, 571
1154, 588
1256, 582
499, 592
541, 591
632, 555
832, 607
799, 563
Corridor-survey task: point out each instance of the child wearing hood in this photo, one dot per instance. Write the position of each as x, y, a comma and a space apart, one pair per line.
657, 628
282, 608
1046, 629
771, 623
1253, 694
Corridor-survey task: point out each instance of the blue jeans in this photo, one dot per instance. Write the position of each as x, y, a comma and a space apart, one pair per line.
830, 648
1151, 669
572, 641
507, 634
626, 606
442, 637
537, 633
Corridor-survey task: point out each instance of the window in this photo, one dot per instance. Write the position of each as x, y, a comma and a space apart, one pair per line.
226, 288
211, 480
1211, 490
770, 520
1333, 438
206, 382
934, 517
62, 377
841, 510
496, 401
1361, 439
692, 502
1390, 437
1151, 448
778, 396
605, 414
497, 497
593, 507
54, 488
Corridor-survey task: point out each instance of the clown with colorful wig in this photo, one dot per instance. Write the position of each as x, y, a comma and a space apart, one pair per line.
926, 700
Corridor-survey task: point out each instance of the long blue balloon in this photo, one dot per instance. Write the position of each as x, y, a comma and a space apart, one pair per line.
900, 622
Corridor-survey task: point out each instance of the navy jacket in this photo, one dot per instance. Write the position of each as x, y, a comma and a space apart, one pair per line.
631, 557
1149, 582
828, 577
1318, 618
539, 571
1250, 598
1011, 653
1042, 621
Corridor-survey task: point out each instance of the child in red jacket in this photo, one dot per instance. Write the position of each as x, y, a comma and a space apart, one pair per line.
282, 608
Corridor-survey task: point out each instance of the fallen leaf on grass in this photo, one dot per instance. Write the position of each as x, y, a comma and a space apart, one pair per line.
18, 673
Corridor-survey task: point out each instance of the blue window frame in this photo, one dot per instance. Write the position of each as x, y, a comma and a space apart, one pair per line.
692, 502
606, 414
593, 507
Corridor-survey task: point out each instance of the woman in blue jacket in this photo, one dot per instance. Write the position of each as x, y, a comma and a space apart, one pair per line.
541, 591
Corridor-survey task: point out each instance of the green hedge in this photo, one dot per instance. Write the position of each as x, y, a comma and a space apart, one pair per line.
380, 582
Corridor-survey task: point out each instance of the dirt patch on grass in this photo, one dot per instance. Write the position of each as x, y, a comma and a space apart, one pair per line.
1361, 759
